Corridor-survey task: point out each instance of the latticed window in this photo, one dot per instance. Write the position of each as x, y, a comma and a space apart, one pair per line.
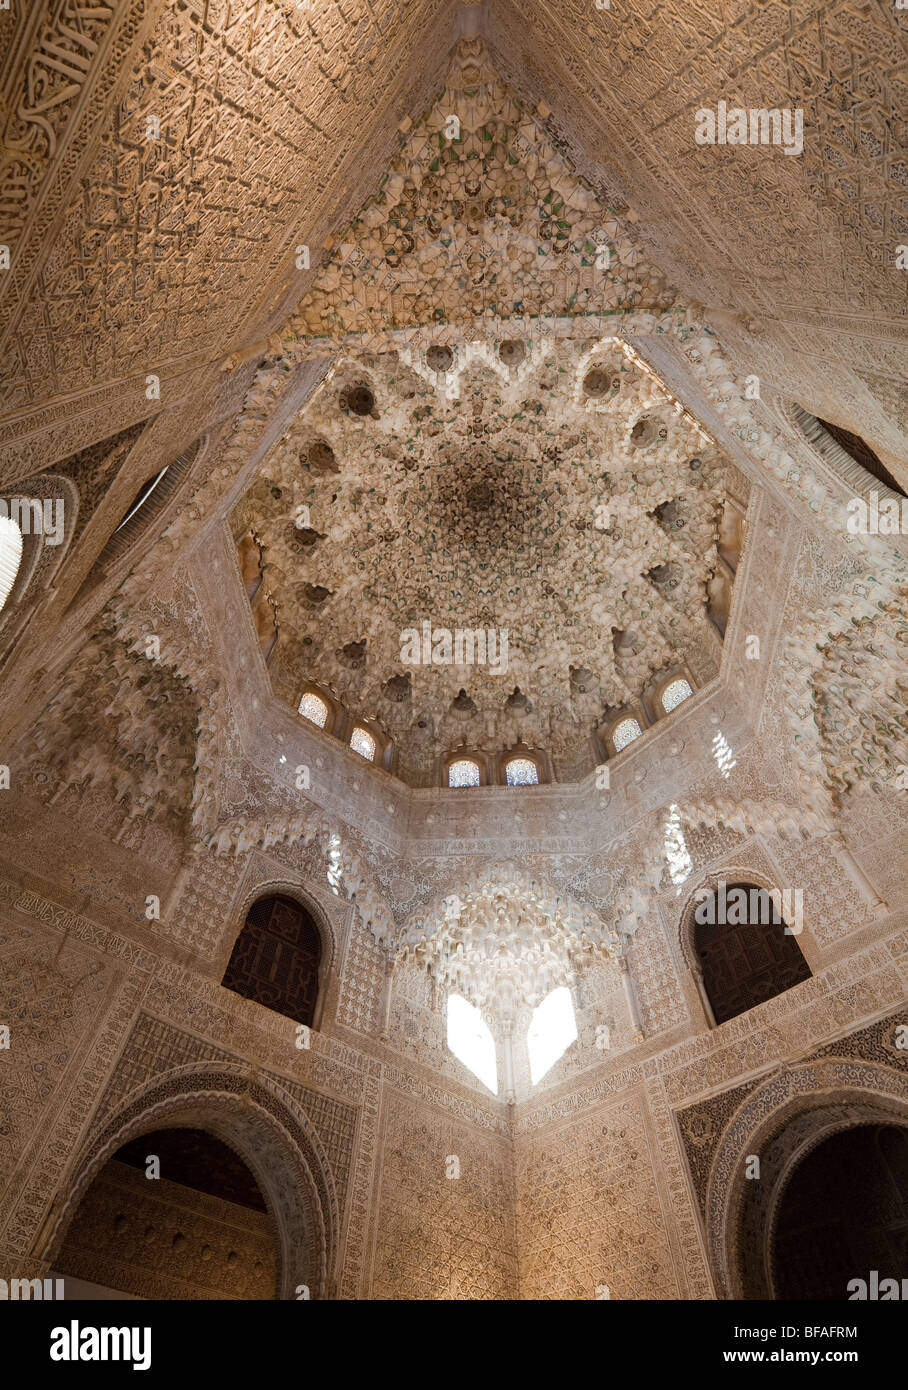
625, 733
314, 709
10, 556
276, 958
362, 742
745, 953
463, 773
142, 496
522, 772
674, 693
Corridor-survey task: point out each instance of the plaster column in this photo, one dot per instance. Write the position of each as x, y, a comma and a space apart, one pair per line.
326, 1004
184, 873
865, 888
387, 992
508, 1059
697, 976
633, 1003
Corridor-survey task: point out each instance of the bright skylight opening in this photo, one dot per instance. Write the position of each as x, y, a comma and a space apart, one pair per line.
471, 1041
553, 1028
463, 773
673, 694
625, 733
522, 772
362, 742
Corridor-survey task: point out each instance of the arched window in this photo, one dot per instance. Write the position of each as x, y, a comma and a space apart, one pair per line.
362, 742
276, 958
142, 496
674, 693
625, 733
313, 708
848, 454
745, 954
10, 556
463, 773
149, 503
858, 449
521, 772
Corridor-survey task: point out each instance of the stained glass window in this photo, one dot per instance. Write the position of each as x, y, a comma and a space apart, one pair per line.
10, 556
674, 693
463, 773
311, 707
522, 772
625, 733
362, 742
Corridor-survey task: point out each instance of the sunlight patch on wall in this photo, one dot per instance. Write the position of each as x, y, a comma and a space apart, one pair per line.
676, 852
722, 752
335, 873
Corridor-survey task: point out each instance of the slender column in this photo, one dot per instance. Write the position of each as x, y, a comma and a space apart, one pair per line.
633, 1003
326, 1004
508, 1050
697, 977
387, 992
184, 873
865, 888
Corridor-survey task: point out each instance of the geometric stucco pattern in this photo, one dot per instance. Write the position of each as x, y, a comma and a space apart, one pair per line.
589, 1210
442, 1236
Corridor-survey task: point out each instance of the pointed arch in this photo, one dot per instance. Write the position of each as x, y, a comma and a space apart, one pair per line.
264, 1126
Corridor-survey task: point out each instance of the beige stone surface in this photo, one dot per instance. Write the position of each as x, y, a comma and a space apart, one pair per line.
223, 222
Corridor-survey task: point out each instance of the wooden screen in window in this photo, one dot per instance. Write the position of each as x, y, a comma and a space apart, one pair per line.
745, 963
276, 958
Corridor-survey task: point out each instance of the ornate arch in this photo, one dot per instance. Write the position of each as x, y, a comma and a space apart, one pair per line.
254, 889
265, 1127
730, 873
790, 1113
